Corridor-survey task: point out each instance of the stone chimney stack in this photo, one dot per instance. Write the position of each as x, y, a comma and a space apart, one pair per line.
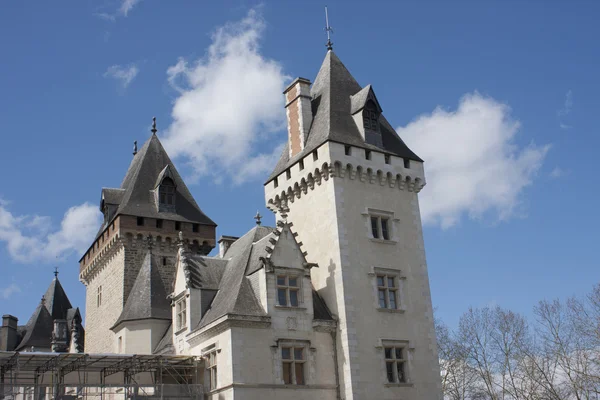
299, 114
224, 243
8, 333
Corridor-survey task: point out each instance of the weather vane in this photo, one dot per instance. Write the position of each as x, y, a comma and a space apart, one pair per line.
153, 130
56, 272
257, 217
329, 30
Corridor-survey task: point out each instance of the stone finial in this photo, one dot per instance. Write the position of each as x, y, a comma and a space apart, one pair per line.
258, 217
134, 147
154, 130
55, 272
43, 301
149, 242
180, 236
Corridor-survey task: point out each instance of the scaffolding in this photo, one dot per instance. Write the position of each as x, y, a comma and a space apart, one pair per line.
47, 376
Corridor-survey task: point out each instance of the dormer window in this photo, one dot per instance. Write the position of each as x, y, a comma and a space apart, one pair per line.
166, 192
370, 116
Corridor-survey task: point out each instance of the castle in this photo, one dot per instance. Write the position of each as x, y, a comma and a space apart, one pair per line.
331, 303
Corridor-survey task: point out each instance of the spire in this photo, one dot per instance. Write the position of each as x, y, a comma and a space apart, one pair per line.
329, 30
154, 130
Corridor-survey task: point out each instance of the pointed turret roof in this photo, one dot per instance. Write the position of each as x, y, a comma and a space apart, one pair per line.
135, 196
148, 297
332, 119
38, 331
56, 300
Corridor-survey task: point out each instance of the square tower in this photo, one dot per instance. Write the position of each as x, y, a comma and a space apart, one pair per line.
153, 201
350, 186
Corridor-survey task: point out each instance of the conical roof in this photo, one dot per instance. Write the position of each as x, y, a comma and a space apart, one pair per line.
38, 331
56, 300
332, 118
148, 297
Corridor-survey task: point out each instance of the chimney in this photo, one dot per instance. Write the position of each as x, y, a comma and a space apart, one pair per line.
60, 336
299, 114
8, 333
224, 243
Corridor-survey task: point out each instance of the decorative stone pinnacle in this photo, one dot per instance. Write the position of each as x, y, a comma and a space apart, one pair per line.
257, 217
43, 300
149, 242
134, 147
180, 235
154, 130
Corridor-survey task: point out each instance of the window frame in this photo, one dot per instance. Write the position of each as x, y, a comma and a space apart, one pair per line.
212, 368
288, 289
405, 359
166, 192
99, 296
181, 314
399, 279
304, 363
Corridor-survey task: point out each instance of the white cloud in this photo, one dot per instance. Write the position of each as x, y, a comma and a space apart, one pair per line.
124, 74
8, 291
229, 106
472, 164
29, 238
568, 106
126, 6
557, 172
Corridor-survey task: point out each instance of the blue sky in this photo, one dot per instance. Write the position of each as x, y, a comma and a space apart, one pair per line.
497, 97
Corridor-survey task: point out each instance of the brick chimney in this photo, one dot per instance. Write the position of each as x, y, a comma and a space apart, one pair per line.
8, 333
299, 114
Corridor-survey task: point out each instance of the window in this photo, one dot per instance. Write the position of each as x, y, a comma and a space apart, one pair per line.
166, 192
288, 174
288, 289
370, 116
395, 364
293, 360
315, 155
387, 291
406, 163
348, 150
164, 261
99, 296
211, 366
159, 223
177, 225
275, 183
195, 228
380, 227
301, 164
387, 159
368, 154
180, 309
140, 221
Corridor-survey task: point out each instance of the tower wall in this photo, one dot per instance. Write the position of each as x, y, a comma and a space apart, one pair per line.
329, 203
100, 318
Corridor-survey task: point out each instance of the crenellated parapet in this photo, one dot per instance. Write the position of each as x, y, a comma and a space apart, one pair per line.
337, 161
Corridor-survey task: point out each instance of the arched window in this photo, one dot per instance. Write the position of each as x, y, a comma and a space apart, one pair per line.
166, 192
370, 116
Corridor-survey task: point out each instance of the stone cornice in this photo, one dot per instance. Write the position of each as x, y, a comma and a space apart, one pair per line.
108, 251
335, 169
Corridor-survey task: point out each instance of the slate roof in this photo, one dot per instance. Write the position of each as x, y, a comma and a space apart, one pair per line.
205, 272
55, 305
56, 300
38, 331
165, 345
234, 295
332, 119
148, 297
135, 196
